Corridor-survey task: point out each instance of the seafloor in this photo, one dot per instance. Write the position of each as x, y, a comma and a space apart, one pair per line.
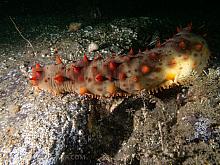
175, 126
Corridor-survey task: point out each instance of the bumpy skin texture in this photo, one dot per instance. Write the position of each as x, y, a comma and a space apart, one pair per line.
173, 62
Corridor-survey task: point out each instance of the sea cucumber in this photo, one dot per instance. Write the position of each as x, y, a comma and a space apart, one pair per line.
172, 62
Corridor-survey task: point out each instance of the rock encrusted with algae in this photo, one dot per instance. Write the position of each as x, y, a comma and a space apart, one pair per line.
40, 130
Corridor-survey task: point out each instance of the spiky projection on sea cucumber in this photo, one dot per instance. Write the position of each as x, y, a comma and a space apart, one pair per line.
172, 62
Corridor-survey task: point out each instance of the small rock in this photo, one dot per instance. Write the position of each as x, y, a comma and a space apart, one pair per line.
13, 108
74, 26
92, 47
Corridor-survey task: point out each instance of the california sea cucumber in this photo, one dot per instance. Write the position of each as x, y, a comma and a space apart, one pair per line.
173, 62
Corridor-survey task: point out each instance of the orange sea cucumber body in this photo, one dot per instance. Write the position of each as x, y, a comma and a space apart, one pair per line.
161, 67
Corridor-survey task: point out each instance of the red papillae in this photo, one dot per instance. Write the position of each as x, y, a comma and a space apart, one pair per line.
182, 45
153, 56
145, 69
81, 78
135, 78
34, 81
122, 76
99, 77
158, 44
172, 63
38, 67
94, 69
109, 77
33, 69
189, 27
99, 57
85, 59
131, 51
58, 60
76, 69
33, 78
198, 47
126, 58
38, 74
59, 79
113, 65
178, 29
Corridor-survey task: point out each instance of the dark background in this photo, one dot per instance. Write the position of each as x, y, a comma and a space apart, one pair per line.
202, 13
111, 8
